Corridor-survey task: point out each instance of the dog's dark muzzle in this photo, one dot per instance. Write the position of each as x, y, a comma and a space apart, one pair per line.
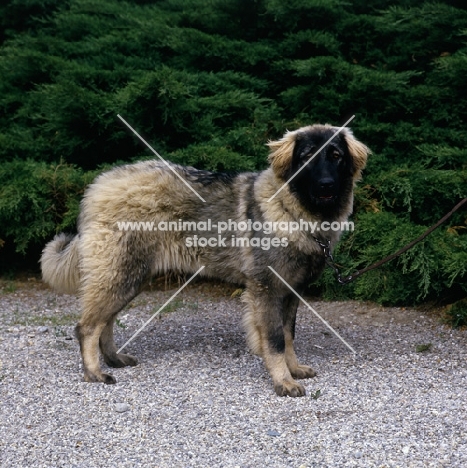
327, 190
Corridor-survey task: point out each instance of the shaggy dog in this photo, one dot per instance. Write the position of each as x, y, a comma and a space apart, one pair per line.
107, 263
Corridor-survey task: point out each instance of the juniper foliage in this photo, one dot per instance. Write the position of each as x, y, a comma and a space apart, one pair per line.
208, 83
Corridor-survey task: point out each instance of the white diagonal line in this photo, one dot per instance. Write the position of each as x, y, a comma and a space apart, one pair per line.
311, 159
157, 313
313, 310
161, 158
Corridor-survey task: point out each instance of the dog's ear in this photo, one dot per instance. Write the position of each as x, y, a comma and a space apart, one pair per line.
358, 151
280, 157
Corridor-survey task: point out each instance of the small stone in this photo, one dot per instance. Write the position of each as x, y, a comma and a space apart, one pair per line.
42, 329
273, 433
122, 407
405, 450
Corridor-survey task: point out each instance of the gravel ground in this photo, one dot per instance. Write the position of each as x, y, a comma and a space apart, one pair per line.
199, 399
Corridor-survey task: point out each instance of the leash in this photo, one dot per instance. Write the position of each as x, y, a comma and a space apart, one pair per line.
330, 260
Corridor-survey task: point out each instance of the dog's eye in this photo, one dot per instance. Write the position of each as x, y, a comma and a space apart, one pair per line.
308, 153
336, 155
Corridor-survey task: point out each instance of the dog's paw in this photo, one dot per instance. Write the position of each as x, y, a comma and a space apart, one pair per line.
120, 360
128, 359
302, 372
108, 379
289, 388
101, 377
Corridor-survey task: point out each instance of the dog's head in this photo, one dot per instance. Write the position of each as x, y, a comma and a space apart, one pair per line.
325, 183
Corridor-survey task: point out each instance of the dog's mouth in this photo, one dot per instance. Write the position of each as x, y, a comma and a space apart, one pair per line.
326, 198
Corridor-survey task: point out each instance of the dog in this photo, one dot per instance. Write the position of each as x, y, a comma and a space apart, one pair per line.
108, 265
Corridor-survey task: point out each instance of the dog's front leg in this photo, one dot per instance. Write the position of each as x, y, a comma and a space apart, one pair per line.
265, 334
298, 371
284, 384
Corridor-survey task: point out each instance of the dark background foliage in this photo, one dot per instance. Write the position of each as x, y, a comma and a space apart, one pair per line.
208, 83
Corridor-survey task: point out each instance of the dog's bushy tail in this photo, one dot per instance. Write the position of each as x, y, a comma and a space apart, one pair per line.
60, 263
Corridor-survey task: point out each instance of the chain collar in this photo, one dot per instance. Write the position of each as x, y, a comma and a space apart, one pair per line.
326, 247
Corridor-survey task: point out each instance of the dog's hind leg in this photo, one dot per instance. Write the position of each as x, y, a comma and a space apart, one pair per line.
102, 297
88, 334
95, 330
109, 349
298, 371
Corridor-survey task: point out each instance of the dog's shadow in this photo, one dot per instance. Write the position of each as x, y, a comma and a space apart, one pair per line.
182, 333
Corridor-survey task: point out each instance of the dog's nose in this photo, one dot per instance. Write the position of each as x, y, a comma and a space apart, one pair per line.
326, 183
